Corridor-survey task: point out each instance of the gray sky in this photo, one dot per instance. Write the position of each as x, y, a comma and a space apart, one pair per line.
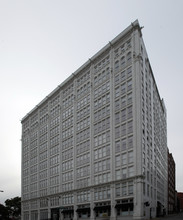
43, 41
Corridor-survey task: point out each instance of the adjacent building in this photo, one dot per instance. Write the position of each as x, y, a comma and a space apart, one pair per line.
171, 184
180, 201
96, 147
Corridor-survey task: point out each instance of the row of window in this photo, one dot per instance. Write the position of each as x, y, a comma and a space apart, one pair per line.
67, 143
55, 111
102, 139
83, 78
102, 178
123, 101
67, 113
83, 135
121, 50
67, 176
101, 166
122, 76
83, 112
67, 154
67, 133
102, 113
83, 124
83, 196
84, 182
101, 90
83, 159
125, 87
123, 159
124, 115
83, 90
83, 171
124, 172
123, 62
102, 126
68, 101
67, 165
102, 193
68, 186
101, 64
83, 147
100, 102
124, 129
124, 189
102, 152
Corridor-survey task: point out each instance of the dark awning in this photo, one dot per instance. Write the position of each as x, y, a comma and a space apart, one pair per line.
67, 210
130, 204
102, 207
87, 209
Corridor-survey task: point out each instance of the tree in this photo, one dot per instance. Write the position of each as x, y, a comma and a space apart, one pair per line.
14, 207
4, 215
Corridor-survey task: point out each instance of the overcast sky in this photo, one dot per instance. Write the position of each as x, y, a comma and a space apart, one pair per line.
43, 41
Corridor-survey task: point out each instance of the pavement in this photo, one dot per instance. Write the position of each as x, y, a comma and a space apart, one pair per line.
171, 217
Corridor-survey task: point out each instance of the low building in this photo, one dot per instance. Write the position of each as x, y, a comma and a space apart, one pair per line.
180, 201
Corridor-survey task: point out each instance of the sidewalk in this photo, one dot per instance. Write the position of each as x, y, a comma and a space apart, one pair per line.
168, 216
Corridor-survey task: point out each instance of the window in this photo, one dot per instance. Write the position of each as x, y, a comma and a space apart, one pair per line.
130, 188
123, 88
130, 142
129, 85
117, 79
130, 157
117, 92
130, 171
129, 112
117, 118
123, 76
130, 127
117, 190
123, 129
124, 159
116, 66
129, 57
123, 144
124, 189
124, 173
118, 174
129, 72
118, 161
123, 102
117, 132
117, 146
123, 62
123, 115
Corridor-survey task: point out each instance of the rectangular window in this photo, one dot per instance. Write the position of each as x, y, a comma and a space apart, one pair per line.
118, 174
118, 161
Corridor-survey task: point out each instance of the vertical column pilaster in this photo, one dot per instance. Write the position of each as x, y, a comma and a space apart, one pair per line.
113, 203
92, 212
75, 206
138, 199
49, 209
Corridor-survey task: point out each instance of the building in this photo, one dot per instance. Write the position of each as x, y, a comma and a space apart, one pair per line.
180, 201
96, 147
171, 184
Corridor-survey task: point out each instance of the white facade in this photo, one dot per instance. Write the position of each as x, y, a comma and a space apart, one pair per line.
96, 147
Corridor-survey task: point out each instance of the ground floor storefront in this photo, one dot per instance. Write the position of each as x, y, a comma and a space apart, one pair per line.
123, 209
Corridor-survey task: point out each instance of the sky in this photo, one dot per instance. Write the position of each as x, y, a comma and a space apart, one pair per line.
42, 42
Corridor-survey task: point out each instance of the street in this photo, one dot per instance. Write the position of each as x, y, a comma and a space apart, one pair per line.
172, 217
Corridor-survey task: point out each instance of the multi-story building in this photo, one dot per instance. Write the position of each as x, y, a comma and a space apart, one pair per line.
96, 147
180, 201
171, 184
